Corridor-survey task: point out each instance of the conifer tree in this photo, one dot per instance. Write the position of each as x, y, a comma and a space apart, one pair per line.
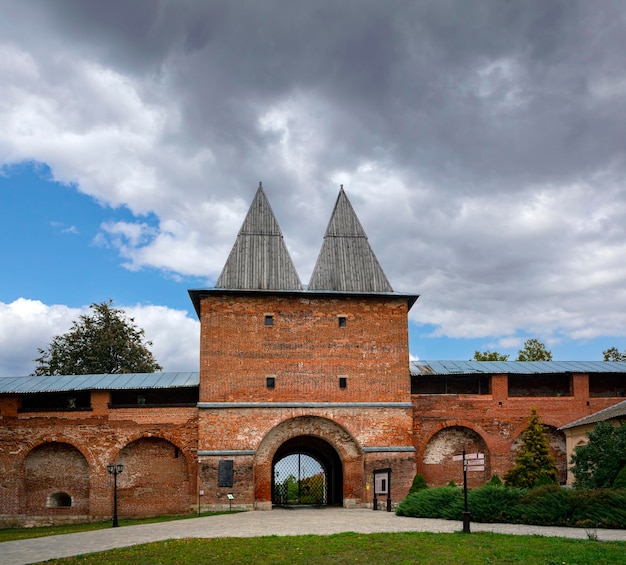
534, 463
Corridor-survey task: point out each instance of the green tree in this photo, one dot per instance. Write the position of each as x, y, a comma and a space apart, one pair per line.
489, 356
620, 480
613, 354
534, 350
597, 464
534, 463
103, 342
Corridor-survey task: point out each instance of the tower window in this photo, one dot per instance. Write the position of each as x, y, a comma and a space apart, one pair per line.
270, 382
269, 320
343, 382
342, 321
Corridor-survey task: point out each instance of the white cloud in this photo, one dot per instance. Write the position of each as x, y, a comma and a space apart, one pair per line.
484, 158
27, 325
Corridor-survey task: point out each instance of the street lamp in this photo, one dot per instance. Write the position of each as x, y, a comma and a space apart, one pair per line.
115, 470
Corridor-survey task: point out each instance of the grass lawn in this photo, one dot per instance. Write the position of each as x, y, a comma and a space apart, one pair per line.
427, 548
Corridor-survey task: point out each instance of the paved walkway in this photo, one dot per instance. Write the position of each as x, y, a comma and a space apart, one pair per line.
280, 522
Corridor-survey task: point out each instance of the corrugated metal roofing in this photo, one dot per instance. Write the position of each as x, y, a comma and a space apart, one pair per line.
24, 385
513, 367
61, 383
615, 411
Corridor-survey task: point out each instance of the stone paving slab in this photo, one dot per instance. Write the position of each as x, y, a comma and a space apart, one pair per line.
281, 522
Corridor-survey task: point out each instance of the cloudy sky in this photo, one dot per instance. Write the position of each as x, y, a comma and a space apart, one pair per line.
480, 143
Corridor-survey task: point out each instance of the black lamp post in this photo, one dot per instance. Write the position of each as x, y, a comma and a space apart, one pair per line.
115, 470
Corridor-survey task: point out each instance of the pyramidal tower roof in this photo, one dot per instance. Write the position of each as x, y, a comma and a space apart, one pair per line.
347, 262
259, 260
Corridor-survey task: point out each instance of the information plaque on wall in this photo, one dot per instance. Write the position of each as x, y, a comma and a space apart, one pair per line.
225, 473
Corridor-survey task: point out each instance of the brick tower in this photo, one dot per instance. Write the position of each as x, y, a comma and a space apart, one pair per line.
290, 376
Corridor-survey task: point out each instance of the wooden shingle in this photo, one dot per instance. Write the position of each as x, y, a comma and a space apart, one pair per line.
259, 260
346, 261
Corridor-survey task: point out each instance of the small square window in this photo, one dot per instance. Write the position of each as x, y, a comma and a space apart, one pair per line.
343, 382
269, 320
342, 321
270, 382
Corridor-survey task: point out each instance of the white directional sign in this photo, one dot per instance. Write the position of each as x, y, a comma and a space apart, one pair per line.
472, 462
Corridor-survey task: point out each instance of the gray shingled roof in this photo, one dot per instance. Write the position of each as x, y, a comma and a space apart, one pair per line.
61, 383
615, 411
513, 367
259, 260
346, 261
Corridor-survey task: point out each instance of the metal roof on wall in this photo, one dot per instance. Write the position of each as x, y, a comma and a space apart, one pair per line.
513, 367
61, 383
26, 385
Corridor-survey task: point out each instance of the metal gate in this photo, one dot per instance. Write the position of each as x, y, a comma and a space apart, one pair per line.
299, 479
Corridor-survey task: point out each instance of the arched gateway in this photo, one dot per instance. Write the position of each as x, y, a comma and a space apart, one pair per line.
302, 461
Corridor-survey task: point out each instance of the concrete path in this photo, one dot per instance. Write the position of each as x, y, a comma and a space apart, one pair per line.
280, 522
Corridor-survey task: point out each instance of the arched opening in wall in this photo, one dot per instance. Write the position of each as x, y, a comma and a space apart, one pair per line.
51, 472
154, 481
59, 499
558, 450
438, 465
306, 470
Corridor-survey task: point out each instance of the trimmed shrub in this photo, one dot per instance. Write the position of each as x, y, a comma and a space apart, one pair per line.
419, 483
441, 502
495, 481
495, 504
549, 505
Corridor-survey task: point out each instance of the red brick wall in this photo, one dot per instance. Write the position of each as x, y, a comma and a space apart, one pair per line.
45, 453
496, 419
305, 350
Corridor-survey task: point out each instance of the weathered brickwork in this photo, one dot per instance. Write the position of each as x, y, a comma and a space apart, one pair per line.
67, 453
493, 424
304, 350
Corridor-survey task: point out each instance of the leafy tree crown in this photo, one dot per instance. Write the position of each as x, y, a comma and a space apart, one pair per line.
489, 356
104, 341
534, 350
613, 354
597, 464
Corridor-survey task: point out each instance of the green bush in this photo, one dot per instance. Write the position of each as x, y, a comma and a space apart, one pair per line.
419, 483
495, 481
620, 480
442, 502
548, 505
494, 504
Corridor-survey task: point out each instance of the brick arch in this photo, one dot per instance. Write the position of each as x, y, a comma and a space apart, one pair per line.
51, 467
155, 479
436, 462
487, 438
136, 436
33, 444
346, 446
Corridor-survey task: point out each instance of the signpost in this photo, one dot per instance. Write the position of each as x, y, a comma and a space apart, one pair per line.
471, 462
